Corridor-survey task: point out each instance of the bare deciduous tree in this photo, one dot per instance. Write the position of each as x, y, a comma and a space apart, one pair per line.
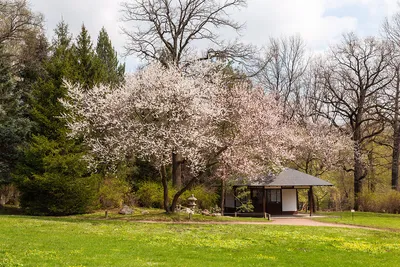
391, 96
355, 72
164, 30
16, 19
282, 70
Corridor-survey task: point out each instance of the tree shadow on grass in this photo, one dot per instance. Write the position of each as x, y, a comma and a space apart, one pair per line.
10, 210
92, 218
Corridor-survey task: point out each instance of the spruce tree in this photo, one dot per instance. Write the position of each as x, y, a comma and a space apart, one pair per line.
110, 71
84, 67
16, 85
52, 176
13, 126
30, 68
46, 107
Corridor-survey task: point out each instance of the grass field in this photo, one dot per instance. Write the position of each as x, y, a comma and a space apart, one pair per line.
161, 216
76, 241
370, 219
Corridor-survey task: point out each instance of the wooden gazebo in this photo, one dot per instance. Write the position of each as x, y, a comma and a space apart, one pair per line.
276, 194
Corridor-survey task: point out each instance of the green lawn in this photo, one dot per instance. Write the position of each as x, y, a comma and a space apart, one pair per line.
150, 215
72, 241
370, 219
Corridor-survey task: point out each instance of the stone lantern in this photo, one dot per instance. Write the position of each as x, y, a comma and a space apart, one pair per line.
192, 202
191, 205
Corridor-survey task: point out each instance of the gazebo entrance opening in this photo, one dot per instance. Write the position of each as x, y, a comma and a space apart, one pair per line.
274, 201
257, 199
266, 200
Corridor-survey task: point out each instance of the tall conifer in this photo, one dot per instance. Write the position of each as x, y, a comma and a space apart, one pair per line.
110, 70
52, 176
84, 67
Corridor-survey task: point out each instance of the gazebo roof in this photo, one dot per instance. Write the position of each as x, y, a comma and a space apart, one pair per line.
287, 177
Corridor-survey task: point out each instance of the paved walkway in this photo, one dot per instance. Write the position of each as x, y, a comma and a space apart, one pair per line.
309, 222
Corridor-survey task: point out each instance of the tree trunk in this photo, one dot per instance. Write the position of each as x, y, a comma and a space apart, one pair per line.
371, 172
395, 157
311, 201
191, 181
357, 182
2, 200
317, 203
177, 170
164, 181
180, 192
222, 204
396, 135
358, 166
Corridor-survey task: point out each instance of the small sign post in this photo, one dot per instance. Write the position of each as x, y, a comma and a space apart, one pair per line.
352, 214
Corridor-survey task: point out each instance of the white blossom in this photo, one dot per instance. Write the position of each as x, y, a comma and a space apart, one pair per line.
192, 111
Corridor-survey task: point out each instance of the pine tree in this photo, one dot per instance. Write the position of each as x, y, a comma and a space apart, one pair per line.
63, 38
110, 71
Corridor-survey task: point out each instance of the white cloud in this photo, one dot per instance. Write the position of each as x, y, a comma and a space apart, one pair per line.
266, 19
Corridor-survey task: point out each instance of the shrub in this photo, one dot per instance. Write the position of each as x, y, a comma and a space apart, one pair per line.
206, 198
150, 194
243, 197
52, 194
113, 192
387, 201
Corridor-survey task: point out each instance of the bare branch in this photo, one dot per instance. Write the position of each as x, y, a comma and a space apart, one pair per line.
15, 20
164, 30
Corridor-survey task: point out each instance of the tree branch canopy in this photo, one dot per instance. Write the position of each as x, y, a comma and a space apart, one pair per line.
16, 19
163, 30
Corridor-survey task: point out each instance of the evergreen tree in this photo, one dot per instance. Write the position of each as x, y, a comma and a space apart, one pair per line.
46, 107
63, 38
30, 65
84, 67
13, 126
52, 176
110, 71
16, 85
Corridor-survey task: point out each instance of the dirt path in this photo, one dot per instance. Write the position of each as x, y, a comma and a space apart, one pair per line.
275, 221
309, 222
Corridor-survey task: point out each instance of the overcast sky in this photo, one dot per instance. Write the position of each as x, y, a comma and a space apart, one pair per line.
319, 22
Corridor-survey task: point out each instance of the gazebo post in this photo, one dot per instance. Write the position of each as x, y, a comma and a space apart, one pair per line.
310, 200
235, 195
264, 202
